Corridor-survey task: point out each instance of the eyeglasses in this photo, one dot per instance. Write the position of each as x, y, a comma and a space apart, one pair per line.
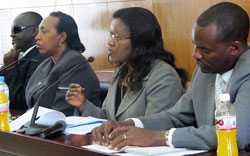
117, 38
18, 29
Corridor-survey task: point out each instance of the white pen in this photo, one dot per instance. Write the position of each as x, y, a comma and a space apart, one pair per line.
67, 88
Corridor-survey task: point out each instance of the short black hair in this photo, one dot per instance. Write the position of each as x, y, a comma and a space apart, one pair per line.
67, 24
35, 18
231, 20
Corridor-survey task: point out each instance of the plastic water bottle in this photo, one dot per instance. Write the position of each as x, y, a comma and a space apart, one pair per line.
6, 90
5, 87
226, 128
4, 108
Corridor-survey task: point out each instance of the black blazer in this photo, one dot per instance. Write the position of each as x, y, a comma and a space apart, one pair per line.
18, 78
48, 72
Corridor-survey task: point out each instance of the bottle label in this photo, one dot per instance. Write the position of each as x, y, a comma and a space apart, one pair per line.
225, 123
4, 107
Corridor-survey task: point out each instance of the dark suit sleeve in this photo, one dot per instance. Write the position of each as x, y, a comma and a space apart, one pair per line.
16, 86
84, 75
17, 80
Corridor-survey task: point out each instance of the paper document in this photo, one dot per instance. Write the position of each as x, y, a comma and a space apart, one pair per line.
19, 122
100, 148
82, 125
47, 117
81, 129
161, 150
78, 120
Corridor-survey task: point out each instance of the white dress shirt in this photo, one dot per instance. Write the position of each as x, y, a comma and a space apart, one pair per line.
23, 54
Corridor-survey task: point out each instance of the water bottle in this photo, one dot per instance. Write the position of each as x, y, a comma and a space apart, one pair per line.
5, 87
6, 90
4, 107
226, 128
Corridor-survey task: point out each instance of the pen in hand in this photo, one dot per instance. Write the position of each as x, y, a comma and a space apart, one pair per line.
67, 88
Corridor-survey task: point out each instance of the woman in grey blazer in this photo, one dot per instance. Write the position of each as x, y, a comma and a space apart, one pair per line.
145, 81
58, 38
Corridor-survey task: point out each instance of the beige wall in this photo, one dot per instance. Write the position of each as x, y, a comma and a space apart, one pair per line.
93, 17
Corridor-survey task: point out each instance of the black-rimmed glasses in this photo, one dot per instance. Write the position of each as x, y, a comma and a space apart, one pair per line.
18, 29
117, 38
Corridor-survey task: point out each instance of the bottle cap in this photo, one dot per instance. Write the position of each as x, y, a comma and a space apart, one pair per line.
224, 97
1, 78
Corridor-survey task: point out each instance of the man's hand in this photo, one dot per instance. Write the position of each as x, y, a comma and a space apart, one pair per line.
101, 134
11, 56
133, 136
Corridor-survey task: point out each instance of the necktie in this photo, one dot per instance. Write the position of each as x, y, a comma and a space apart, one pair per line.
220, 86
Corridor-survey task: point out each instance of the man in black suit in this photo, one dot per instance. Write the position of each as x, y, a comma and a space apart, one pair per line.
23, 32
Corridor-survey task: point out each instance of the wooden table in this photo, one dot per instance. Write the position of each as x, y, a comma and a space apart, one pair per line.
13, 144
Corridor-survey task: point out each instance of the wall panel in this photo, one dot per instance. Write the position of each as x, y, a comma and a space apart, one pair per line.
245, 4
177, 18
93, 17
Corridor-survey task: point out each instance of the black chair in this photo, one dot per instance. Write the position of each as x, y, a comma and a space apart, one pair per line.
104, 77
104, 86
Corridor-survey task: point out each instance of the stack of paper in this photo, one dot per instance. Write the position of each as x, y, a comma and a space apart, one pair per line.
149, 151
161, 150
47, 117
104, 149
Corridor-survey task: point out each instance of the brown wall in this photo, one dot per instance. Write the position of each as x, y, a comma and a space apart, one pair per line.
93, 17
176, 18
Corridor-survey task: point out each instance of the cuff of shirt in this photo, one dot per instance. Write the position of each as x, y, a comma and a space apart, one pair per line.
171, 132
137, 122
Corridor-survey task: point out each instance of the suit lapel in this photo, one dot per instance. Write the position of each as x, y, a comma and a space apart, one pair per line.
31, 53
40, 79
128, 100
130, 97
210, 100
111, 99
240, 74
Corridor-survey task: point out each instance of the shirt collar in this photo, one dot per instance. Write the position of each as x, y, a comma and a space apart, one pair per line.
27, 51
227, 75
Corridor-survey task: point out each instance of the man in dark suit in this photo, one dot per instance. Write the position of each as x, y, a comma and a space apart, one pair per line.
23, 32
221, 52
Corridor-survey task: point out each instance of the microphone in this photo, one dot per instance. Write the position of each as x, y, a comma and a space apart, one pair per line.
11, 64
57, 128
91, 59
33, 128
247, 148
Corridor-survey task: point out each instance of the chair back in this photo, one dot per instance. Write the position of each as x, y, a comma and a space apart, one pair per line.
104, 77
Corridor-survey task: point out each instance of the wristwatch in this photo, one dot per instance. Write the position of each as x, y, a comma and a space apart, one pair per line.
167, 136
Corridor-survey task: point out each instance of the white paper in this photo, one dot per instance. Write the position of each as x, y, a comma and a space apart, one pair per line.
76, 120
19, 122
81, 129
49, 118
161, 151
100, 148
187, 152
127, 154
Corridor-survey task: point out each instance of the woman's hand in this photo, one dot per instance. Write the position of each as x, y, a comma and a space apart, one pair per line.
76, 97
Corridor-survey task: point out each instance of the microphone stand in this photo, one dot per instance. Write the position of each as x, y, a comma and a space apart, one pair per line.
11, 64
34, 128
